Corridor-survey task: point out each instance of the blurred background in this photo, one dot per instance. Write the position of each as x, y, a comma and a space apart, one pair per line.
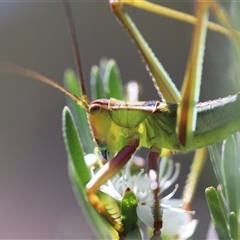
36, 198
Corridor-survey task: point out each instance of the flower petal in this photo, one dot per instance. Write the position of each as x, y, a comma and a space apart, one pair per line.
145, 214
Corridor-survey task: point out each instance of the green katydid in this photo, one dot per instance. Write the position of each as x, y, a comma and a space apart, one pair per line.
135, 121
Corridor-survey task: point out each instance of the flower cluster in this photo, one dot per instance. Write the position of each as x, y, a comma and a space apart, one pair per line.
177, 223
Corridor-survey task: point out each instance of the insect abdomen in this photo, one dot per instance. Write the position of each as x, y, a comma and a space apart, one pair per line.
217, 120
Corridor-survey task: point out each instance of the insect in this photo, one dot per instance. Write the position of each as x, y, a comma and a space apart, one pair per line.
177, 145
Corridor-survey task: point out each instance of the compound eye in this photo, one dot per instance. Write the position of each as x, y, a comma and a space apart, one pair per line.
95, 109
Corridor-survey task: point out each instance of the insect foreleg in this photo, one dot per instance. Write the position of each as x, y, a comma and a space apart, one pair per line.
105, 173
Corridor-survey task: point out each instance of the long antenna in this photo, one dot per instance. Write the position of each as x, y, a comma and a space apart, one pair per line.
21, 71
72, 31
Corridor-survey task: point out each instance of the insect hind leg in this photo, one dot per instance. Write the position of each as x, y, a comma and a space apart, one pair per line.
163, 83
187, 112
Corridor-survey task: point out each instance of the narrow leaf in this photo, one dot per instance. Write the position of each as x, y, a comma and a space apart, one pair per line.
97, 90
112, 81
74, 147
72, 84
231, 172
128, 211
79, 173
233, 226
217, 213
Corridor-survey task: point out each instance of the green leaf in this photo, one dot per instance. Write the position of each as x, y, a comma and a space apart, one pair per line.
216, 161
112, 81
74, 148
129, 211
233, 226
217, 213
96, 83
231, 172
79, 173
72, 84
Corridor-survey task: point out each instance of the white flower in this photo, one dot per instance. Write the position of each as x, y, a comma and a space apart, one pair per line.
177, 223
